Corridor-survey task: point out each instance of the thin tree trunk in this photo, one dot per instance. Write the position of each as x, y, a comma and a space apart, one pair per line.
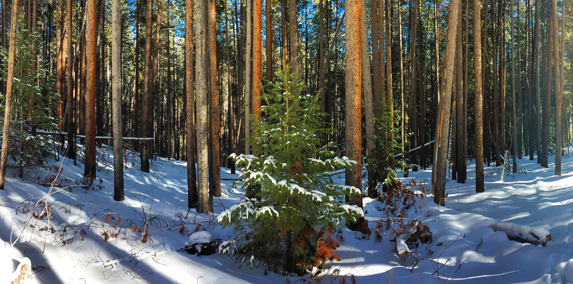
71, 152
90, 161
537, 80
558, 88
478, 96
389, 82
215, 131
230, 109
376, 60
8, 103
321, 67
513, 99
202, 74
546, 110
147, 89
118, 193
249, 75
402, 99
192, 195
367, 86
257, 64
459, 107
414, 100
293, 25
444, 110
269, 39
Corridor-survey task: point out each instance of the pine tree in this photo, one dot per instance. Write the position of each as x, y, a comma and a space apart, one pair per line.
298, 200
22, 149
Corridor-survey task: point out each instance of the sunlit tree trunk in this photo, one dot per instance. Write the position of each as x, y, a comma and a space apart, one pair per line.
8, 102
353, 131
90, 161
215, 130
444, 109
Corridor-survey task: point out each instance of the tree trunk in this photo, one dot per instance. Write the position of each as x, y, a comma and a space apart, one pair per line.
71, 151
537, 81
402, 85
353, 131
190, 108
558, 88
146, 123
249, 75
444, 110
257, 64
459, 108
90, 166
321, 67
389, 82
367, 85
8, 104
478, 96
202, 74
215, 131
269, 39
414, 100
513, 99
376, 61
546, 110
118, 193
230, 109
293, 25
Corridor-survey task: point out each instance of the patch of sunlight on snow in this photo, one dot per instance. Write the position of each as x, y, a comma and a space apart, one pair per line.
484, 276
517, 216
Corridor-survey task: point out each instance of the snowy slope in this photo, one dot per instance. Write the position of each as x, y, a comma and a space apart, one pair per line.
71, 247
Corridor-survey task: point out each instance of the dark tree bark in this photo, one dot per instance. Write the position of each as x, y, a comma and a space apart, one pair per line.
513, 99
546, 109
557, 58
478, 96
71, 151
192, 194
249, 75
116, 89
202, 74
146, 123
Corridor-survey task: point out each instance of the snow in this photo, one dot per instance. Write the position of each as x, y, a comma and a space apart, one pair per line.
201, 237
469, 240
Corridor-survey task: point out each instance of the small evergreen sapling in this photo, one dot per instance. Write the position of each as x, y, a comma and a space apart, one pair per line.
290, 219
381, 162
25, 149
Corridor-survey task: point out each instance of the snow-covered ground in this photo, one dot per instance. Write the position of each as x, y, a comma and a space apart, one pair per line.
146, 233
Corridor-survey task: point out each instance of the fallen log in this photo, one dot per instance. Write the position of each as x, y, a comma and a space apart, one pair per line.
522, 233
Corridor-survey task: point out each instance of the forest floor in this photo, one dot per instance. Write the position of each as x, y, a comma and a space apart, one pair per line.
81, 244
